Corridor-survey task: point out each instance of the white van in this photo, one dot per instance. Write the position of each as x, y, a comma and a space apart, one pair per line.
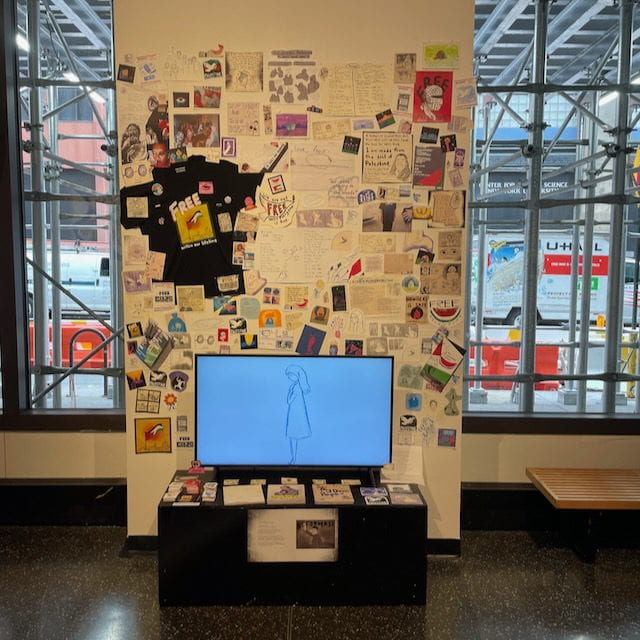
86, 275
503, 259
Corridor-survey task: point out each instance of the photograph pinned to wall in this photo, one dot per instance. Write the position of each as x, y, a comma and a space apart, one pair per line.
228, 147
330, 129
206, 97
339, 298
428, 167
190, 297
181, 99
271, 295
386, 157
441, 55
243, 118
353, 347
238, 256
351, 144
320, 315
243, 71
153, 435
196, 130
465, 95
447, 208
291, 125
448, 143
404, 67
459, 157
132, 147
178, 155
148, 401
310, 341
432, 96
387, 217
385, 119
135, 379
292, 76
447, 438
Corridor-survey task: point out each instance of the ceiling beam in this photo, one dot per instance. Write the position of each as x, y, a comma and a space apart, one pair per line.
85, 20
505, 13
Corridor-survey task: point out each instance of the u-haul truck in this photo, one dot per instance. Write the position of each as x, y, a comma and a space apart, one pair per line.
504, 275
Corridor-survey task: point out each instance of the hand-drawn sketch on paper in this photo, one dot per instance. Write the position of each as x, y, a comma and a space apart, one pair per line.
243, 71
386, 156
292, 77
315, 165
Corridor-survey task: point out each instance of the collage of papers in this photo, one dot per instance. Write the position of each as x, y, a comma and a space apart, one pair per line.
353, 243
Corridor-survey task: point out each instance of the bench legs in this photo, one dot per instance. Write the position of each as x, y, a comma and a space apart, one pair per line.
581, 530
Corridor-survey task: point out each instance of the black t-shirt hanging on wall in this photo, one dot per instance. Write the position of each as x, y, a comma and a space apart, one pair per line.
188, 212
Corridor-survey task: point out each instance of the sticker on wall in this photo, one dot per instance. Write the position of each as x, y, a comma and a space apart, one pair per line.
413, 401
126, 73
179, 380
148, 401
225, 305
223, 334
319, 315
135, 379
366, 195
445, 310
238, 325
248, 341
228, 147
157, 379
176, 324
153, 435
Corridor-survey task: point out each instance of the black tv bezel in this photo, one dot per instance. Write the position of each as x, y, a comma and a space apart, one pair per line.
248, 467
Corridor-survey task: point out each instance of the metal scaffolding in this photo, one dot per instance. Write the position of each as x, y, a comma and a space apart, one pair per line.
601, 153
48, 69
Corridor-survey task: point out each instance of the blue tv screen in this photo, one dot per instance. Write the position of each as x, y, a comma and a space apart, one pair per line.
319, 411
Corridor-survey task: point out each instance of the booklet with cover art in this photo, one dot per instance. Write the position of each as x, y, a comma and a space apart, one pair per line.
286, 494
332, 494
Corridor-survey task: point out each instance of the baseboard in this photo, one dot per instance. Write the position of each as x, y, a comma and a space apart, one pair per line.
139, 544
70, 502
443, 547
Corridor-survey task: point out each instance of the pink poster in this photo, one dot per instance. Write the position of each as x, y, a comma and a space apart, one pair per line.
432, 95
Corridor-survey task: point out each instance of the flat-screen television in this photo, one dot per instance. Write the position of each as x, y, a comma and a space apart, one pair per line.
272, 410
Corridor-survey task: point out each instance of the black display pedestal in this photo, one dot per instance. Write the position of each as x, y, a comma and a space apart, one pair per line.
202, 558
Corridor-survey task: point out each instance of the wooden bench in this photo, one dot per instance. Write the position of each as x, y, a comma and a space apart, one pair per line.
591, 490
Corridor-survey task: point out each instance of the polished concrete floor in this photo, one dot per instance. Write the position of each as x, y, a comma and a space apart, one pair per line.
72, 583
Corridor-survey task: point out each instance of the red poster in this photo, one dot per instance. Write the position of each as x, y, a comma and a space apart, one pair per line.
432, 94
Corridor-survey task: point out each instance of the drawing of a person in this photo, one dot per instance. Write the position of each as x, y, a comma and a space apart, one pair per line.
400, 166
298, 426
432, 97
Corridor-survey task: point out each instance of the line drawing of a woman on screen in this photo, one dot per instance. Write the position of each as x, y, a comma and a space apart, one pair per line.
298, 426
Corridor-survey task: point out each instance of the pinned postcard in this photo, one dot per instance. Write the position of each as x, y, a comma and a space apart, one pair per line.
243, 71
190, 297
441, 55
447, 208
465, 93
291, 125
432, 96
205, 97
330, 129
243, 118
386, 156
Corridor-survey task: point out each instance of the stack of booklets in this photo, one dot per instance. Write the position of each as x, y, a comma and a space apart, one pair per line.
332, 494
243, 494
286, 494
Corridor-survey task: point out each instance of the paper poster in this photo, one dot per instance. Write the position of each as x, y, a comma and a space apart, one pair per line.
293, 77
316, 165
386, 156
375, 297
243, 71
292, 535
207, 97
355, 89
153, 435
428, 167
243, 118
432, 96
441, 55
441, 278
447, 208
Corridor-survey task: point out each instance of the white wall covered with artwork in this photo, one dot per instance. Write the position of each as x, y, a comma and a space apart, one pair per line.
329, 148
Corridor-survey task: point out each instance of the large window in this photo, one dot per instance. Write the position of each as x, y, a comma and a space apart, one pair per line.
553, 288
